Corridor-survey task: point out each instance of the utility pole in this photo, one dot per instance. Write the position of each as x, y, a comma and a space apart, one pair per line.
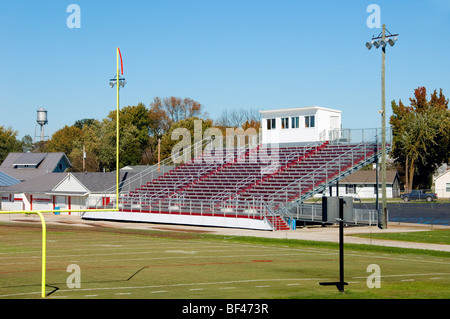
383, 132
382, 41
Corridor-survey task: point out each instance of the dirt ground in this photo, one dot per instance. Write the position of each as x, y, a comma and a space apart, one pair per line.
330, 234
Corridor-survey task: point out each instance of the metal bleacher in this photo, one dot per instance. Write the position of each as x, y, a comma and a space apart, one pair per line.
255, 181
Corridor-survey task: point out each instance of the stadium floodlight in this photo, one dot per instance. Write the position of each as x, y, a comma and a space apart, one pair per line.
369, 45
382, 40
392, 41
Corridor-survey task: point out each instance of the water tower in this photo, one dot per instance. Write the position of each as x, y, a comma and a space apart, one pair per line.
42, 121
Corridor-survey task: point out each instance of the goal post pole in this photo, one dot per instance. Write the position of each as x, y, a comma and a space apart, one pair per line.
44, 233
44, 245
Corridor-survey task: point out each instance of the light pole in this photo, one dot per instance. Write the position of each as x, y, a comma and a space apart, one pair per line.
382, 41
118, 82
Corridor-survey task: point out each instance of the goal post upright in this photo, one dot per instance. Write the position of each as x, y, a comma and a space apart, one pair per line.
44, 245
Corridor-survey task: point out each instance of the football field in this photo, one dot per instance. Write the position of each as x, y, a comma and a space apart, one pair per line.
108, 263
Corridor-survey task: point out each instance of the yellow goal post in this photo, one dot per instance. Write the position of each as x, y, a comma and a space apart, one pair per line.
44, 234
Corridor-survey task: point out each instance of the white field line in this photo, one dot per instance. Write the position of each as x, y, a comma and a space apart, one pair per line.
171, 286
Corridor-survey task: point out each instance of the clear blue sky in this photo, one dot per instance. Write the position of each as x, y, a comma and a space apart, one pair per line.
226, 54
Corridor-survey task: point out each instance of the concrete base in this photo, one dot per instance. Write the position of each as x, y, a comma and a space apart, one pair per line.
216, 221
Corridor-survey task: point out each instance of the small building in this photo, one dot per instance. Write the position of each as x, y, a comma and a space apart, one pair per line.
31, 194
442, 185
298, 125
65, 191
363, 184
24, 166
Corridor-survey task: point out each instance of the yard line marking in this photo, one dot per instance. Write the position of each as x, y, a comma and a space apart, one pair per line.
408, 280
261, 286
158, 291
293, 285
122, 293
193, 289
91, 295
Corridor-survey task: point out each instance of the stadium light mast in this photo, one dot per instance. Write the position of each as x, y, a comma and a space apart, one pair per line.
118, 82
382, 41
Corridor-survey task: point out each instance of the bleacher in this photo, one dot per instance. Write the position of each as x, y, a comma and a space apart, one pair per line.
248, 182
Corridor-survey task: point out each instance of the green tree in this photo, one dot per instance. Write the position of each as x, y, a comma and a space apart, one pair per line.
168, 142
63, 139
89, 141
8, 142
134, 137
421, 136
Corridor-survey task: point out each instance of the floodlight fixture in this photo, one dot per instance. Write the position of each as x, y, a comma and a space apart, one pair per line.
369, 45
392, 41
113, 82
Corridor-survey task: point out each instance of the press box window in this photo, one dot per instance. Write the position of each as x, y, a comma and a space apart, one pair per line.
271, 124
294, 122
284, 122
310, 121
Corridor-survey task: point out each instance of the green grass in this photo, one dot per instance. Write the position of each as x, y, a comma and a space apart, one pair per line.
124, 263
430, 237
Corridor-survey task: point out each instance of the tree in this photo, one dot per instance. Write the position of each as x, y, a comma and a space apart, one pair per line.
91, 143
238, 118
27, 144
63, 139
177, 109
164, 116
421, 136
8, 142
134, 137
168, 142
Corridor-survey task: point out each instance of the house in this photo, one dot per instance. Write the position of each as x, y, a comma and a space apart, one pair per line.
298, 125
24, 166
31, 194
65, 191
363, 184
442, 185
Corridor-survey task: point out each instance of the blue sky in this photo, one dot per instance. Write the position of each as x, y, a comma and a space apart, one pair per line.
226, 54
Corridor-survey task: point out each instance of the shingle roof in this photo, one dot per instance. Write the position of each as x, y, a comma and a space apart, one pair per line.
368, 177
100, 182
39, 184
47, 164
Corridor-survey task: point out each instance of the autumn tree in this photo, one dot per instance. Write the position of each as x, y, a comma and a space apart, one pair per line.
165, 115
421, 136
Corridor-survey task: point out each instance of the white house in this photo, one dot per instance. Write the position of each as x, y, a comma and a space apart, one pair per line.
363, 184
64, 190
302, 124
442, 185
